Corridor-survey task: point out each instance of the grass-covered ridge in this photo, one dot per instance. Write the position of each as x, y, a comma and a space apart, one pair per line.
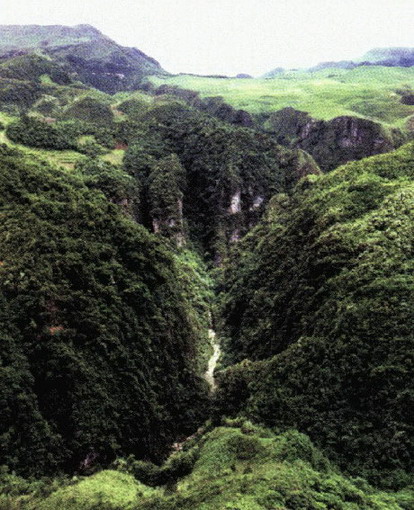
369, 92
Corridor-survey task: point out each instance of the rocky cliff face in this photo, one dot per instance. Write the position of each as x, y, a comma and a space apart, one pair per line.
332, 142
224, 175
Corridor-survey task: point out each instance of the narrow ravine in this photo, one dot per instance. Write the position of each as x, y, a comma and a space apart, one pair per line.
212, 362
209, 377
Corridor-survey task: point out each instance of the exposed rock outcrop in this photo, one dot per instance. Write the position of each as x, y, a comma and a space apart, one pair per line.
332, 142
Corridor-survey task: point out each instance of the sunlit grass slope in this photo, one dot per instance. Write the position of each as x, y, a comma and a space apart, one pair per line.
364, 91
107, 488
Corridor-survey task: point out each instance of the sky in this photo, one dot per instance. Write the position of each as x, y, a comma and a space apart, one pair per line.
232, 36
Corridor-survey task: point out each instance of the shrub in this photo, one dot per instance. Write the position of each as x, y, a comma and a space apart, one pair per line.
38, 133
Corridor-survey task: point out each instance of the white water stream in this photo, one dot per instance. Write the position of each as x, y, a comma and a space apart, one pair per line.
209, 377
212, 362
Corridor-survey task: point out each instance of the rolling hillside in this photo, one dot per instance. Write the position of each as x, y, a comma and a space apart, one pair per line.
370, 92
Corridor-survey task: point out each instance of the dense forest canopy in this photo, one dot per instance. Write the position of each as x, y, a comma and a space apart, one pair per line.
325, 283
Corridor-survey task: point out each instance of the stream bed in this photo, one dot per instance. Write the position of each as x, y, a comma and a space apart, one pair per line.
212, 362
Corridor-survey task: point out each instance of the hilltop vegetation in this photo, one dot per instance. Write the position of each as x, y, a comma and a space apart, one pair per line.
82, 52
238, 466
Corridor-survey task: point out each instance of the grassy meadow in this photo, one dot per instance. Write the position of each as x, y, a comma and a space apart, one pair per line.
368, 92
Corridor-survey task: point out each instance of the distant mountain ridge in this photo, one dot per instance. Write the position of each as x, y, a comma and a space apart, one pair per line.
390, 57
83, 51
403, 57
29, 37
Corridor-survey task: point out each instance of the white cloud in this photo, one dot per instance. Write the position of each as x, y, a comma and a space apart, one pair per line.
231, 36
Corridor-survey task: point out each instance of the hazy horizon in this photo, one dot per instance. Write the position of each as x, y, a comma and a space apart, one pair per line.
229, 36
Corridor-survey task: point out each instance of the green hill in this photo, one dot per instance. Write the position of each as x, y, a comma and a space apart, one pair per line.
82, 51
322, 293
236, 466
139, 213
98, 336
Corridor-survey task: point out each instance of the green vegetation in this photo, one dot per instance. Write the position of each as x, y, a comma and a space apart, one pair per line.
98, 337
119, 187
66, 159
325, 286
220, 161
166, 183
332, 142
224, 165
368, 92
82, 51
18, 96
91, 110
115, 157
200, 287
76, 134
105, 326
37, 133
236, 466
35, 68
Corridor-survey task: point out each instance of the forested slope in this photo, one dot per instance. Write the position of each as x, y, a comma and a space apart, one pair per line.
99, 340
322, 291
106, 333
237, 465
